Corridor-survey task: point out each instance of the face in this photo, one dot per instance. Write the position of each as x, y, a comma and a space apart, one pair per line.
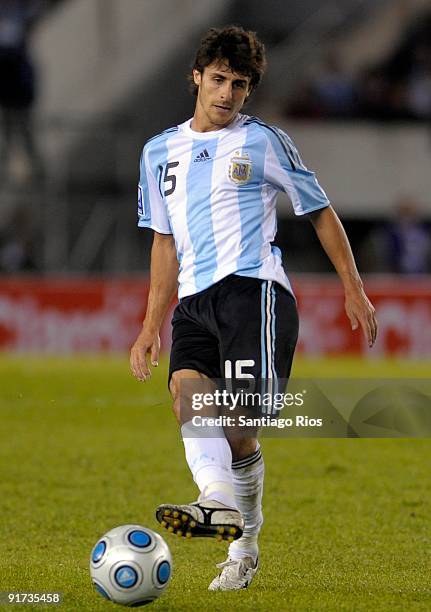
221, 96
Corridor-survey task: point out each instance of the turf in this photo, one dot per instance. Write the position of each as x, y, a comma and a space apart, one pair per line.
85, 448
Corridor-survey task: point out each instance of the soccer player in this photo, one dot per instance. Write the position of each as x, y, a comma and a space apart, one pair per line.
208, 189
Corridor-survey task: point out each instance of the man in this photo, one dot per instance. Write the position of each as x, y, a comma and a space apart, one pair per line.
208, 189
18, 81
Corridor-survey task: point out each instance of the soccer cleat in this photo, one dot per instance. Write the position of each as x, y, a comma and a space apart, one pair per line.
205, 519
236, 574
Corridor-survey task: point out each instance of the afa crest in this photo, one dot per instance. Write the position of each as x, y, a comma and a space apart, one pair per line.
240, 168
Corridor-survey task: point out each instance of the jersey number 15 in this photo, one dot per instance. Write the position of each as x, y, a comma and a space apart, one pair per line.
169, 179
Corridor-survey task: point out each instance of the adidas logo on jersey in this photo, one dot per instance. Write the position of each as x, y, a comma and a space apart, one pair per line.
203, 156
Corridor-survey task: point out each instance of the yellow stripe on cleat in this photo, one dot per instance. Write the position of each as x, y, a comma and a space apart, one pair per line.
184, 518
175, 514
163, 524
192, 524
232, 530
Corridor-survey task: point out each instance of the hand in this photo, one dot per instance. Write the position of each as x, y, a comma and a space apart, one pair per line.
361, 312
146, 342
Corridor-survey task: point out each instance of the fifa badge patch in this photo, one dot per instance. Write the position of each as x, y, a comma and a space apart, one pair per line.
141, 210
240, 167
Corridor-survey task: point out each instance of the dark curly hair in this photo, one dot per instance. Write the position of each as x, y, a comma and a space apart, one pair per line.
240, 48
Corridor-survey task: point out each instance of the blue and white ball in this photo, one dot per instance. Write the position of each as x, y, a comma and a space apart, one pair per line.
131, 565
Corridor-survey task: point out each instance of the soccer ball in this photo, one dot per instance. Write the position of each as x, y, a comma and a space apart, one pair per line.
131, 565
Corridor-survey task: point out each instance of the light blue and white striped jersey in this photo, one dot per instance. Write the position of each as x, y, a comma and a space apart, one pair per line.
216, 193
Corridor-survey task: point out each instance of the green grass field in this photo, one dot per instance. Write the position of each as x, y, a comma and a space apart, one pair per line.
84, 448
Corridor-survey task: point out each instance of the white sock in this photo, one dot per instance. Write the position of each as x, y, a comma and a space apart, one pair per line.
210, 460
247, 475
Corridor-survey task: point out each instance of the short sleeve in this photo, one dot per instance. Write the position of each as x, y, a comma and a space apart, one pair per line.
285, 170
152, 211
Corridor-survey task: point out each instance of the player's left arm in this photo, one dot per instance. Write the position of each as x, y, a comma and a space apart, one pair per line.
334, 240
285, 171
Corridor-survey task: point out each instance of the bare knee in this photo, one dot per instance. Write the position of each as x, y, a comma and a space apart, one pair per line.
181, 387
174, 384
174, 388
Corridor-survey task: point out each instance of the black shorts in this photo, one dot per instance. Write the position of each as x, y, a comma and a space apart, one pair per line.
239, 325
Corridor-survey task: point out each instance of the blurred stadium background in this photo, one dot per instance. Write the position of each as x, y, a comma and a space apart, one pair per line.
91, 80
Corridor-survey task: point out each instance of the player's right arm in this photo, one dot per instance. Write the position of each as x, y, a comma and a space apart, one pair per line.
163, 287
152, 214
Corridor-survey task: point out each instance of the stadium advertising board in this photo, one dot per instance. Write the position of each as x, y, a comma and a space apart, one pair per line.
63, 316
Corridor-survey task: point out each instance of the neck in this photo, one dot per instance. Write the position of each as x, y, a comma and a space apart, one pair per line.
202, 123
199, 125
204, 126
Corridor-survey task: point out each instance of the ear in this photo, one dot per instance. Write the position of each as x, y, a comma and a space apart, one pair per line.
197, 77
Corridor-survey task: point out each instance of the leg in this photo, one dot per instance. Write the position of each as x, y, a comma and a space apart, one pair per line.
247, 476
6, 123
209, 458
268, 342
26, 128
208, 455
248, 471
